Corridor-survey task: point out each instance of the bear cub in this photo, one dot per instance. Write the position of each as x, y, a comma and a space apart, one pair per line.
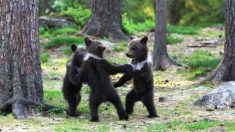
95, 72
142, 77
71, 83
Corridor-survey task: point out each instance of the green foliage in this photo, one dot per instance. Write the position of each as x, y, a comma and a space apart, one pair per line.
203, 12
173, 40
58, 41
199, 63
80, 15
183, 30
132, 27
44, 57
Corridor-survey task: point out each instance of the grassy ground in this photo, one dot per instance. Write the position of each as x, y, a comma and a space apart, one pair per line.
177, 114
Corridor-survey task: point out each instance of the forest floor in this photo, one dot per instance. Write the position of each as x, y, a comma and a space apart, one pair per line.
180, 84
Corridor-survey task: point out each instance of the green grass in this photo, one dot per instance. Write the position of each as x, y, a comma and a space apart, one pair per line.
173, 40
179, 125
200, 62
44, 57
200, 125
183, 30
59, 41
64, 31
123, 46
201, 58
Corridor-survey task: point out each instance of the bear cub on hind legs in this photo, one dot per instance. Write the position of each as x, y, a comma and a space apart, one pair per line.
71, 84
95, 72
142, 77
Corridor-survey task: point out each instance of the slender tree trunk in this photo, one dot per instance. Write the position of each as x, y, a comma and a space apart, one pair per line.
20, 71
160, 56
226, 70
106, 20
175, 11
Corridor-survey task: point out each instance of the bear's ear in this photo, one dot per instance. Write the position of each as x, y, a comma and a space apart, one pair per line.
132, 37
101, 48
88, 41
73, 47
144, 40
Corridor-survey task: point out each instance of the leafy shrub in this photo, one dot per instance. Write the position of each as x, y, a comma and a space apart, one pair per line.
58, 41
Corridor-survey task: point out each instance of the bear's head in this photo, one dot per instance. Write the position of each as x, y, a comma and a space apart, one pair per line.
137, 48
94, 47
78, 55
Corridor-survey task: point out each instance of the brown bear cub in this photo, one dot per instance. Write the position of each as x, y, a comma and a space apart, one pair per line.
71, 84
95, 72
142, 77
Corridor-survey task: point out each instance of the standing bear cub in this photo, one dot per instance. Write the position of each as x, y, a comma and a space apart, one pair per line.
95, 72
71, 84
142, 77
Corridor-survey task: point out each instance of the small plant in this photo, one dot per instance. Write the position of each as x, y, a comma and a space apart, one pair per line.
58, 41
44, 57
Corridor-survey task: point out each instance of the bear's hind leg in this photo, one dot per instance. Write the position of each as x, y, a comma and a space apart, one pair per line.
115, 100
149, 103
94, 103
131, 98
72, 102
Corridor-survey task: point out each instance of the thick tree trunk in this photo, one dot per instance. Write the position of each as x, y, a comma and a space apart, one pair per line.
106, 20
160, 56
226, 70
20, 71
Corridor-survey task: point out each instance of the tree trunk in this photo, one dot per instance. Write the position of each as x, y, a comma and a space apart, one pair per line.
20, 71
226, 70
175, 11
160, 56
106, 20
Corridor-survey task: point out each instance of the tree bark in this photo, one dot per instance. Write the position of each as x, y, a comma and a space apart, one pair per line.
160, 55
106, 20
20, 70
226, 70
